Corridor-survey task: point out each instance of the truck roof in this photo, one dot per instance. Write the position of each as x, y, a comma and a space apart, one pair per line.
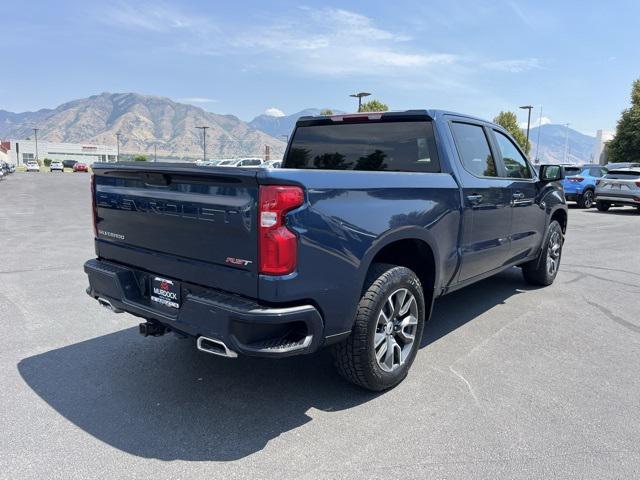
419, 113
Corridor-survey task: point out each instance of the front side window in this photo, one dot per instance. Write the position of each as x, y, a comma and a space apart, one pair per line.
514, 162
374, 146
474, 150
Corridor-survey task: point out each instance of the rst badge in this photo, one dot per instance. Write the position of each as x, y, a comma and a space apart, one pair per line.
238, 261
165, 292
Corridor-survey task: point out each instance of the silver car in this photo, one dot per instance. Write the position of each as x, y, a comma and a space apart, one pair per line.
618, 188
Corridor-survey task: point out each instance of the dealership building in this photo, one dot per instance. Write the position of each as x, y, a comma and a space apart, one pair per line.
22, 151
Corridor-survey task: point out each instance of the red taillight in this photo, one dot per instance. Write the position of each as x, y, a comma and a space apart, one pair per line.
576, 179
278, 246
637, 184
93, 205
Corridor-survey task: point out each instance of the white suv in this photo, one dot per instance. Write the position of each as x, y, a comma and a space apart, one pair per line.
33, 166
56, 165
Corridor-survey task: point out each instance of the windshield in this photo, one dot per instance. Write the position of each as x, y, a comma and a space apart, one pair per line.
227, 162
389, 146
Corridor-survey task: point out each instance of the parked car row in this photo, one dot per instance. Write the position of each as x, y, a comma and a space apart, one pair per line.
58, 166
614, 184
250, 162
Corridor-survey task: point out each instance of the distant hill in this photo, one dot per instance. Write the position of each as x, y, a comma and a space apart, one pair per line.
145, 121
552, 145
279, 126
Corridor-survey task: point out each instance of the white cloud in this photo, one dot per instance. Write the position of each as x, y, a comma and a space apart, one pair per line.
536, 122
197, 100
154, 17
336, 42
514, 66
274, 112
330, 42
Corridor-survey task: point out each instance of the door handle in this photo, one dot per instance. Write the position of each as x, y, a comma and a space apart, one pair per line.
518, 196
474, 199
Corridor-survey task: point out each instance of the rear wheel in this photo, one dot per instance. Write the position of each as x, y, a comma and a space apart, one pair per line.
387, 331
603, 206
543, 270
586, 199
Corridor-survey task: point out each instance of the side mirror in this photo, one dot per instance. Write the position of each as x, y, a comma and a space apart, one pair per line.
551, 173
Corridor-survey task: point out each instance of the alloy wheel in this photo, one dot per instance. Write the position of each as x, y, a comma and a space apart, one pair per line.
553, 252
588, 199
396, 330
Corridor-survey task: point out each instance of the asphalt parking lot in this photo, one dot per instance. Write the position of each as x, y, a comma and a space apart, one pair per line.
511, 382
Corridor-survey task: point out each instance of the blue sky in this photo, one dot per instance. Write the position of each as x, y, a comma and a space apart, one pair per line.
577, 59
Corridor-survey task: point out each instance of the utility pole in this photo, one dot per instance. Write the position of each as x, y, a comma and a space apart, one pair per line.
566, 143
529, 108
538, 141
118, 135
35, 134
359, 97
204, 142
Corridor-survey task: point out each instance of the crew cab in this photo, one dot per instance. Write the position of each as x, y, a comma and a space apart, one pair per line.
372, 217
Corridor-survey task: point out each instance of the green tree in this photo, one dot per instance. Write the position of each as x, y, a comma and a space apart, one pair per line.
47, 162
326, 111
625, 146
140, 158
509, 121
374, 106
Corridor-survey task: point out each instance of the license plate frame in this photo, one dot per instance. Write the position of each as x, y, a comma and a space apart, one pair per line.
165, 293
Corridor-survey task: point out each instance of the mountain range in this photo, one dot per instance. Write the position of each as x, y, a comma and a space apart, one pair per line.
146, 121
553, 137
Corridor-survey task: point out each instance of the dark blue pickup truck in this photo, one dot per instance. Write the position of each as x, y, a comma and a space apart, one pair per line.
373, 216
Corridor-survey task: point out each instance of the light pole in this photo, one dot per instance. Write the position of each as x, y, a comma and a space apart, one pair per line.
204, 142
118, 135
155, 153
566, 143
359, 97
529, 108
538, 140
35, 134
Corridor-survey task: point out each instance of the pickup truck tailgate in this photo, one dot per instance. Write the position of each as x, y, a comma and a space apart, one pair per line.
196, 224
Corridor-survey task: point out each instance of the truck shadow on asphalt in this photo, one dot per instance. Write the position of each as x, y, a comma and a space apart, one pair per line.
160, 398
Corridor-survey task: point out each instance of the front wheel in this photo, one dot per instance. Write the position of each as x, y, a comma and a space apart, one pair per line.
603, 206
387, 330
543, 270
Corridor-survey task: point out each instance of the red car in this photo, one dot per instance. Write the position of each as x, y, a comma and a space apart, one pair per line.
80, 167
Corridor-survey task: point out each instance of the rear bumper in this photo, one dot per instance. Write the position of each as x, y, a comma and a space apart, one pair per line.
619, 200
244, 325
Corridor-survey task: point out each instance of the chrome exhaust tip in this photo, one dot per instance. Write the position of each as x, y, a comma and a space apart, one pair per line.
107, 304
215, 347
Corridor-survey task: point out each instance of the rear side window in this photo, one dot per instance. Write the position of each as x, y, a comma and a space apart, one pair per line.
514, 162
474, 150
570, 171
374, 146
621, 175
250, 163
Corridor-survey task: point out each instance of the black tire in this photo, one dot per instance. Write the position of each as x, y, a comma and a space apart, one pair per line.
539, 271
355, 358
586, 199
603, 206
